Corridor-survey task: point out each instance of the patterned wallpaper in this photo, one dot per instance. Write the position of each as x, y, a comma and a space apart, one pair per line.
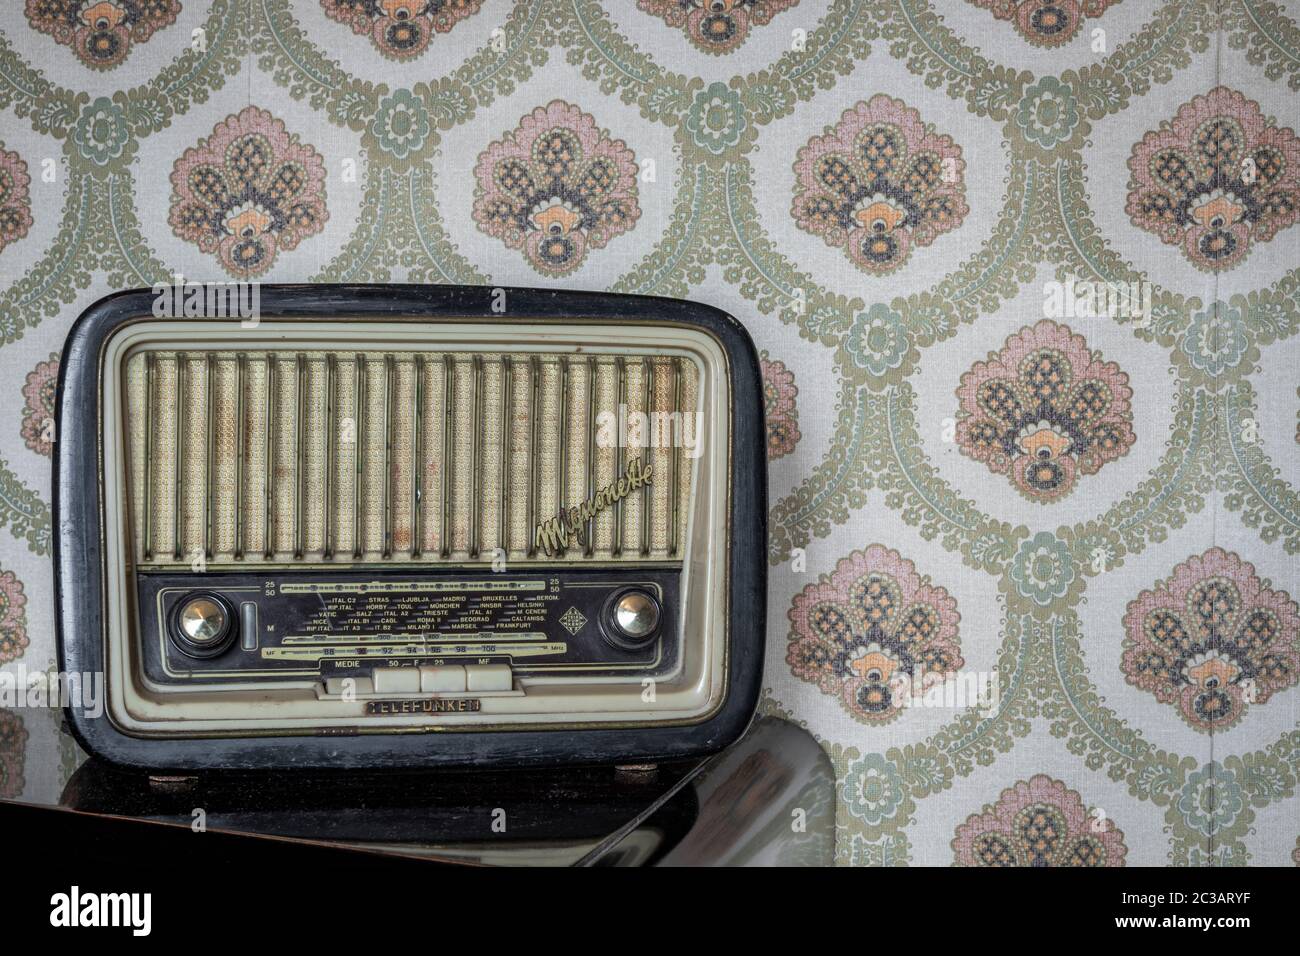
1025, 278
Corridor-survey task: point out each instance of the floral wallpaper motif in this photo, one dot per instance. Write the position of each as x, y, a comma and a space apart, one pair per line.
716, 26
780, 409
1045, 410
1046, 23
1099, 514
1038, 822
39, 393
1212, 640
15, 199
101, 32
871, 627
879, 183
13, 618
247, 192
1217, 178
1049, 120
556, 186
400, 29
13, 743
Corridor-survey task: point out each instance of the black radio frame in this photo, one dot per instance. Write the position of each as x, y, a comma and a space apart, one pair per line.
79, 558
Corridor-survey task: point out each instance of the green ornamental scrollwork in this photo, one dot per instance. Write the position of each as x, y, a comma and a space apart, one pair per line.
1270, 38
873, 349
1251, 484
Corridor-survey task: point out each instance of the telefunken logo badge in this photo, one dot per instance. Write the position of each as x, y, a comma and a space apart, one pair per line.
74, 908
428, 705
554, 535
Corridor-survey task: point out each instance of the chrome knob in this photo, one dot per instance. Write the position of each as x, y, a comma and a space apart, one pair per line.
202, 620
636, 614
632, 618
202, 625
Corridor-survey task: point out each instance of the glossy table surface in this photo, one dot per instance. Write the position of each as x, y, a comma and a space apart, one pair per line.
768, 799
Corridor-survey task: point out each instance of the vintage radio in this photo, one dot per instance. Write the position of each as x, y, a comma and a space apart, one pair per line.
410, 526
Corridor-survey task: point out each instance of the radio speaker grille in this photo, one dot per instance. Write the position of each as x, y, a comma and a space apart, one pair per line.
288, 457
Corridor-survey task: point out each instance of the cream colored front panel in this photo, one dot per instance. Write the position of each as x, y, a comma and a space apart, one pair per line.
247, 429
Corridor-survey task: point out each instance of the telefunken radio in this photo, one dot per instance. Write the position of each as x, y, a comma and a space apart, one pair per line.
374, 526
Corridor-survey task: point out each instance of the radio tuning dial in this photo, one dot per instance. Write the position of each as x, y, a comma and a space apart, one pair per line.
202, 625
631, 618
636, 614
202, 620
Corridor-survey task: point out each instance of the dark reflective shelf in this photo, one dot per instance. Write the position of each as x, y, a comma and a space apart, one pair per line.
769, 799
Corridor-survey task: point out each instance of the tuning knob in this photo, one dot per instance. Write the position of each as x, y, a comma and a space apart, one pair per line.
202, 625
631, 619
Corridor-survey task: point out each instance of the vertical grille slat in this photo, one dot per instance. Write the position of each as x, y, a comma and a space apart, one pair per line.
390, 383
177, 446
241, 383
561, 439
331, 404
291, 456
475, 460
358, 448
616, 549
448, 464
268, 462
676, 461
647, 406
299, 452
589, 539
507, 433
417, 459
534, 451
150, 398
209, 454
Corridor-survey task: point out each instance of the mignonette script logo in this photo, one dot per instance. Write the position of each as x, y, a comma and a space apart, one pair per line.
554, 535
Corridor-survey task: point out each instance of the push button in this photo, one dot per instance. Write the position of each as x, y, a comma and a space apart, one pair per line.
396, 680
443, 680
484, 677
349, 686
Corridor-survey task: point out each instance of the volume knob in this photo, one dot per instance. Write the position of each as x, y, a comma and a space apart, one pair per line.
202, 625
632, 618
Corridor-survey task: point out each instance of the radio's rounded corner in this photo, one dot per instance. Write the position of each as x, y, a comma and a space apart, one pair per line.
100, 740
732, 722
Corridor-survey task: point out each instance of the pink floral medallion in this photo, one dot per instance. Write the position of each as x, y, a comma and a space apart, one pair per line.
1216, 180
1039, 822
101, 32
1044, 410
870, 628
879, 183
248, 192
716, 26
13, 618
400, 29
1046, 23
39, 394
779, 393
15, 198
13, 753
556, 187
1213, 640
